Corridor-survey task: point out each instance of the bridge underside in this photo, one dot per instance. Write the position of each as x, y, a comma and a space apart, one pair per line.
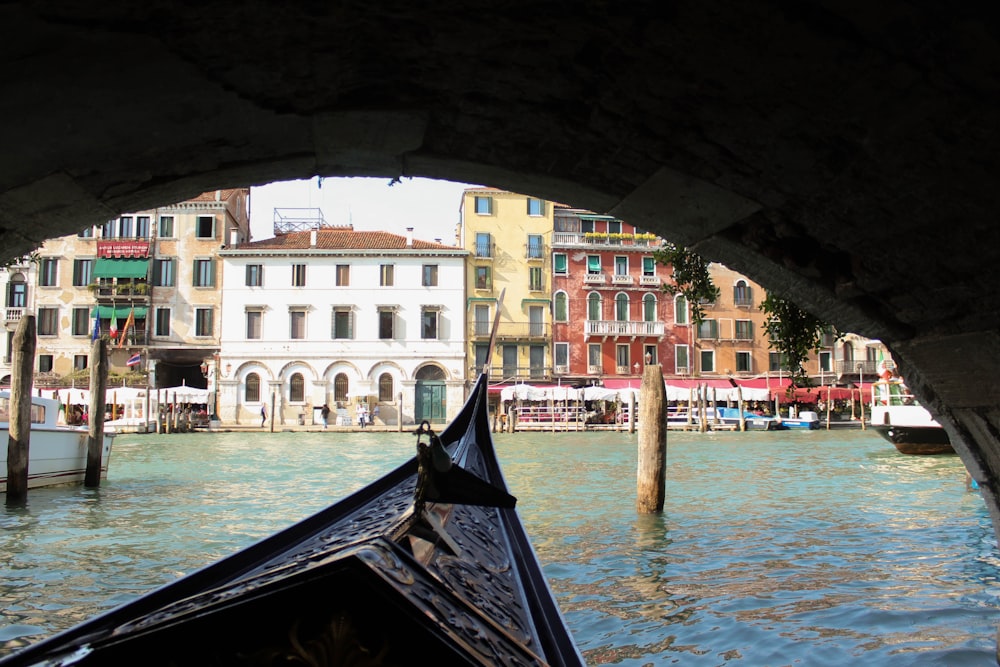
844, 159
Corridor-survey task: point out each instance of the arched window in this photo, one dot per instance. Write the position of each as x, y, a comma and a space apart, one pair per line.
340, 388
17, 291
680, 309
561, 309
649, 308
296, 388
430, 373
385, 387
594, 307
621, 307
251, 393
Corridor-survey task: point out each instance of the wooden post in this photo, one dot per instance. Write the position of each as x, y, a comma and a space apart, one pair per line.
861, 407
829, 407
631, 412
272, 411
702, 408
715, 408
399, 412
652, 472
95, 436
19, 425
739, 406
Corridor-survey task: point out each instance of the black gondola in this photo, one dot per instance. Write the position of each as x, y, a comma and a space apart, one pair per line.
428, 564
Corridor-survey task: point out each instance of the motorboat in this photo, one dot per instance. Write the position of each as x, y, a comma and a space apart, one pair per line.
898, 417
57, 453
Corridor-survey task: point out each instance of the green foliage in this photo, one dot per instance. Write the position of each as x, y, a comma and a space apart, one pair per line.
691, 277
33, 256
794, 333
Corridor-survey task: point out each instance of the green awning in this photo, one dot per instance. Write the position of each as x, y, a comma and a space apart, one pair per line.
545, 301
120, 312
108, 267
480, 299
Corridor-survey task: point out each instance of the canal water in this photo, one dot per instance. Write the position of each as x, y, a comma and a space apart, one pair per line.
776, 548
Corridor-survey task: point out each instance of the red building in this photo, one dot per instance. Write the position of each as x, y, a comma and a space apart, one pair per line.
610, 314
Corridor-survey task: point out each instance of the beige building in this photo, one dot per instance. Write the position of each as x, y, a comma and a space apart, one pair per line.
148, 281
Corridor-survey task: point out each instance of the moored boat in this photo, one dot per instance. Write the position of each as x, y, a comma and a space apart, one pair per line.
806, 419
57, 454
430, 563
898, 417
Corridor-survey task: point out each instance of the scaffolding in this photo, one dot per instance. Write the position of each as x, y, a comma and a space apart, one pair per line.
288, 220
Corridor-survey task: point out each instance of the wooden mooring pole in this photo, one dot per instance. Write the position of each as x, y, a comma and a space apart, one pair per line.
19, 421
652, 472
95, 436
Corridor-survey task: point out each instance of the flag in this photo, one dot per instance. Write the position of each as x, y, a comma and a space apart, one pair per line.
97, 326
130, 322
134, 360
114, 324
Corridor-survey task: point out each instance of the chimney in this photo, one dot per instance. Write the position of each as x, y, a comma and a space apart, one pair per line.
234, 237
409, 237
312, 236
438, 241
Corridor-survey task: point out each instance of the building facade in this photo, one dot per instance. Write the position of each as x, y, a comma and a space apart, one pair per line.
344, 318
146, 281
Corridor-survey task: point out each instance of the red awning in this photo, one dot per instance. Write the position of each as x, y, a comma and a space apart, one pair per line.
623, 383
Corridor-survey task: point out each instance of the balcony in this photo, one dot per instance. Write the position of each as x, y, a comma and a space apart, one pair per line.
623, 328
600, 239
622, 279
14, 315
594, 279
535, 252
519, 372
650, 280
865, 367
515, 331
124, 289
485, 250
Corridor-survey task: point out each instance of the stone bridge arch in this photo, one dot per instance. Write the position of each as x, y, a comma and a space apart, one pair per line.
845, 159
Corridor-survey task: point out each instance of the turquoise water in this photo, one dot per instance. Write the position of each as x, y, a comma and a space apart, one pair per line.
776, 548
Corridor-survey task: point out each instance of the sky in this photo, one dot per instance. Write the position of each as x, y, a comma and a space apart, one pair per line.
430, 206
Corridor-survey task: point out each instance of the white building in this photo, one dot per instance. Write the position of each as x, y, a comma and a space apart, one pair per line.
342, 317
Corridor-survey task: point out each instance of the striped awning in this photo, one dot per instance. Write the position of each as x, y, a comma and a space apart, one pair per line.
108, 267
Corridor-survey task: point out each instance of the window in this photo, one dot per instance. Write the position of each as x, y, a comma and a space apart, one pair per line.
162, 321
430, 275
299, 275
742, 294
509, 360
680, 309
108, 229
484, 278
682, 364
586, 226
205, 227
125, 227
386, 322
707, 361
481, 351
166, 227
17, 291
386, 387
651, 356
614, 226
48, 321
343, 322
826, 362
536, 206
386, 275
559, 264
340, 387
255, 275
744, 330
593, 264
45, 363
296, 324
343, 275
535, 249
535, 283
81, 321
47, 272
536, 361
708, 329
254, 321
484, 245
203, 320
744, 362
204, 273
648, 267
594, 358
536, 321
163, 272
251, 390
594, 307
560, 309
86, 233
296, 388
649, 308
82, 271
142, 227
482, 321
80, 362
776, 361
484, 205
621, 266
562, 357
622, 359
621, 307
429, 323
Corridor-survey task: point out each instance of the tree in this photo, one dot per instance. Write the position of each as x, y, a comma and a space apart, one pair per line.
691, 277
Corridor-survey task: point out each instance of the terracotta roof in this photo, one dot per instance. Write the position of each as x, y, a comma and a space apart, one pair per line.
210, 195
340, 239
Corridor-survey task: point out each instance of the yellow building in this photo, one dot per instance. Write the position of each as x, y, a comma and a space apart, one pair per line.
509, 237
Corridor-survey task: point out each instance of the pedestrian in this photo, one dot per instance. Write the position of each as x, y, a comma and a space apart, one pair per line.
374, 413
263, 414
325, 413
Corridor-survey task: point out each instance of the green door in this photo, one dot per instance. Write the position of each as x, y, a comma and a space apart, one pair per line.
430, 404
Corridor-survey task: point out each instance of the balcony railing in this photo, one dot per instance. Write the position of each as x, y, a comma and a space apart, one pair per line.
485, 250
649, 280
864, 367
518, 372
599, 239
515, 331
594, 279
622, 279
623, 328
535, 251
14, 314
124, 288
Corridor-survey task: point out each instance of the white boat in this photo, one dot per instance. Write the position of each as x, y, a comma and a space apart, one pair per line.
899, 418
57, 454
